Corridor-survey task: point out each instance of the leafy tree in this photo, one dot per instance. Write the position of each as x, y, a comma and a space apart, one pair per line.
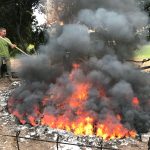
17, 17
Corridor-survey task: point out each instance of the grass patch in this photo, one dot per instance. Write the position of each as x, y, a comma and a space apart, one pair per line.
143, 53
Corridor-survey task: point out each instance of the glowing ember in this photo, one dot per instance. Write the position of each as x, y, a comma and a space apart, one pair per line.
19, 116
135, 101
76, 66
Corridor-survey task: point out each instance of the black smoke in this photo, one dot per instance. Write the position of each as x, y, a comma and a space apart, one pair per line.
101, 35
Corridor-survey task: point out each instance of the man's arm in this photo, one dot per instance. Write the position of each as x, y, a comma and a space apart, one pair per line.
11, 44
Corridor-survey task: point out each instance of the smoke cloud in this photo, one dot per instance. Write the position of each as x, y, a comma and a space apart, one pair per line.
100, 36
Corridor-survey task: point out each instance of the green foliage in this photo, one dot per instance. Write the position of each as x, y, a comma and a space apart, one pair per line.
143, 52
17, 17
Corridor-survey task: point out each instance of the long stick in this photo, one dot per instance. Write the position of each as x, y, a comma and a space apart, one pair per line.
15, 47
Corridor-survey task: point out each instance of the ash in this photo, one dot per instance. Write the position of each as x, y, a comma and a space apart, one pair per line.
46, 133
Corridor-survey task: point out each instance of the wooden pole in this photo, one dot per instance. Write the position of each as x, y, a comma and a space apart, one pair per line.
57, 140
17, 139
15, 47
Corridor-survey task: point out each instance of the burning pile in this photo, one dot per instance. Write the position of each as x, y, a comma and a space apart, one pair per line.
88, 89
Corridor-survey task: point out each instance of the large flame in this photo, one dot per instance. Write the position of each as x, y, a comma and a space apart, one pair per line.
73, 115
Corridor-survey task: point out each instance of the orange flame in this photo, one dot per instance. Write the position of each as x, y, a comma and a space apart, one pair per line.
32, 119
80, 95
135, 101
19, 116
74, 117
111, 129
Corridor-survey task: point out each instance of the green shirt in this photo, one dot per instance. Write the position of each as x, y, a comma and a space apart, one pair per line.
4, 47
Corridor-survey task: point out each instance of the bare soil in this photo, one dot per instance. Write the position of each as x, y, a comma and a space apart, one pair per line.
4, 83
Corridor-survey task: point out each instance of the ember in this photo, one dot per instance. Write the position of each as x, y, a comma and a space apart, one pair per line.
135, 101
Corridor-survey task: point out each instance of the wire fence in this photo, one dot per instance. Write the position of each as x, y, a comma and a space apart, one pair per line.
141, 62
57, 142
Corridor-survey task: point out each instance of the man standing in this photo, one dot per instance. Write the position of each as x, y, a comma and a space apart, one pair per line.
5, 44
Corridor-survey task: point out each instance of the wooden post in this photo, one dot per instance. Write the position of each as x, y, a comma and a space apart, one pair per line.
57, 142
17, 139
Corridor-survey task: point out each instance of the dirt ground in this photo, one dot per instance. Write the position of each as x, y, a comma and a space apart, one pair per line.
4, 83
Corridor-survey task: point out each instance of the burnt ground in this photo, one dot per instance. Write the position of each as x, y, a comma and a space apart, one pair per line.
10, 143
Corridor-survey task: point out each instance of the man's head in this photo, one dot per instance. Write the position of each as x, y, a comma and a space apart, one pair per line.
2, 32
